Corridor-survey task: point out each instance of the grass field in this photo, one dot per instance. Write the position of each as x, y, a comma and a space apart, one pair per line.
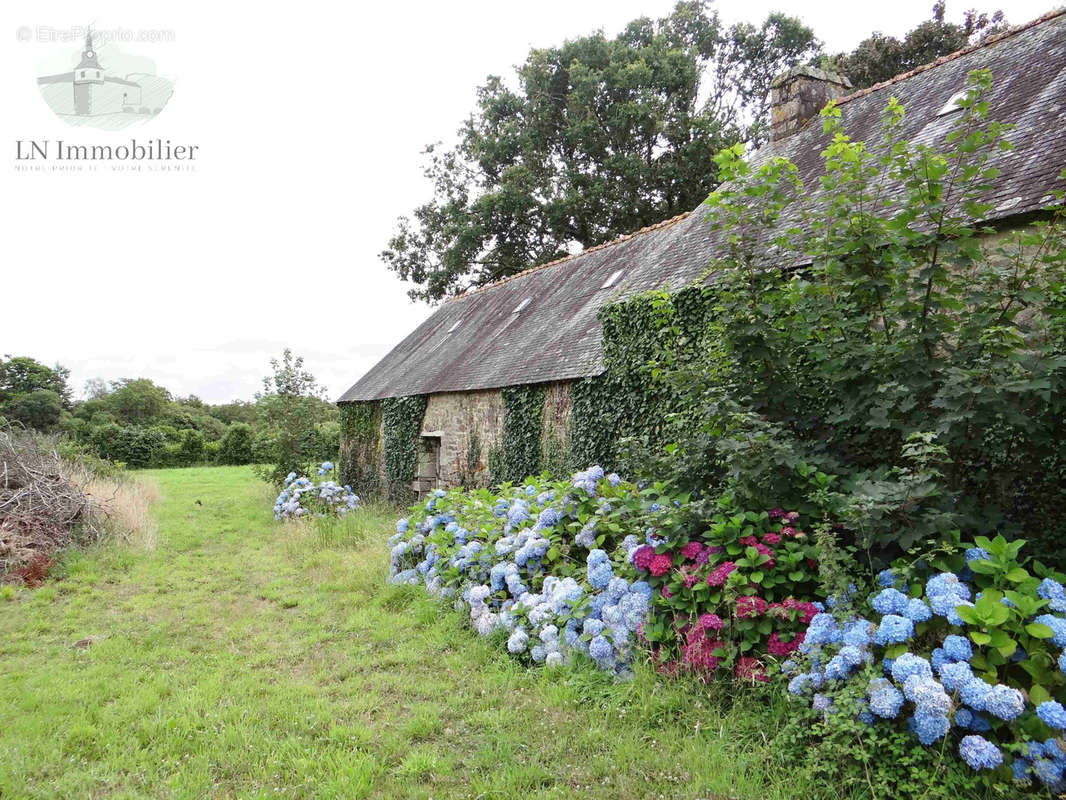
239, 657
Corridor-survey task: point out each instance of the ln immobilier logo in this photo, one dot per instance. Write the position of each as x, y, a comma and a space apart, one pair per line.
105, 88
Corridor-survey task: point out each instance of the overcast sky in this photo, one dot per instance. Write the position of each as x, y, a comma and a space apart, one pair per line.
309, 122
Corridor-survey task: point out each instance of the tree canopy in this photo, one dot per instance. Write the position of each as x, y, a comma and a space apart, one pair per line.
879, 57
601, 136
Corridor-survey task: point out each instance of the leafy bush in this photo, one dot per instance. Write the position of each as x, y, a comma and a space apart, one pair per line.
967, 647
912, 354
237, 445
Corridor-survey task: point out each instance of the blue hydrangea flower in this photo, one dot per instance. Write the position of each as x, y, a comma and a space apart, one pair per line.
858, 632
930, 728
928, 695
917, 611
977, 554
1053, 714
886, 702
1054, 593
886, 578
1021, 768
958, 647
893, 630
1004, 702
798, 685
975, 694
600, 649
820, 702
613, 479
980, 753
1049, 772
909, 664
946, 583
1057, 625
889, 601
955, 675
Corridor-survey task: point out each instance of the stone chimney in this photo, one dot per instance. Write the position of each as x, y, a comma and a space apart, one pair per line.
800, 94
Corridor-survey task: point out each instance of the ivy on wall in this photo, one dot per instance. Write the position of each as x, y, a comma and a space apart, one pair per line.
401, 425
360, 452
645, 338
519, 453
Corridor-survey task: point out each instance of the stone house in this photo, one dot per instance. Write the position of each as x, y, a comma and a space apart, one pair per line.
540, 327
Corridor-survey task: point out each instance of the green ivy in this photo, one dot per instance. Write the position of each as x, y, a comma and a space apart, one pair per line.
625, 409
402, 423
520, 454
360, 450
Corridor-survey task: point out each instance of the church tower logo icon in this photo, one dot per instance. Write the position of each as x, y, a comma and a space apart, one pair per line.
106, 88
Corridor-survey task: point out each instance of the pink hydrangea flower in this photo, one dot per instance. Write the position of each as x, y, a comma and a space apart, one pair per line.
692, 550
720, 573
776, 647
750, 606
660, 563
788, 531
792, 516
642, 556
771, 539
665, 592
689, 575
766, 551
749, 541
709, 622
776, 513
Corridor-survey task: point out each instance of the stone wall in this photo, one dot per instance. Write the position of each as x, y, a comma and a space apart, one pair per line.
457, 417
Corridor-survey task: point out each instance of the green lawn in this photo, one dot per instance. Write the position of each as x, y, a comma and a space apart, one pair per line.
245, 658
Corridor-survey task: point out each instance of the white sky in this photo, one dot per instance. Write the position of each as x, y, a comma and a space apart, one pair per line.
310, 119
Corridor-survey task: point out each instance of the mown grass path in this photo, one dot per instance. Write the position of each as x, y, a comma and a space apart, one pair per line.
243, 658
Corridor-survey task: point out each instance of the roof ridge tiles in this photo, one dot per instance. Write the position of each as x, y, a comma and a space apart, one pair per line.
602, 246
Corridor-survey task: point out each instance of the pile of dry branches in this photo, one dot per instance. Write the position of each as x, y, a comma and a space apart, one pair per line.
44, 505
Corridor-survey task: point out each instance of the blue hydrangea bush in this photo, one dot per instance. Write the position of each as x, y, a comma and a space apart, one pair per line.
963, 650
543, 562
302, 497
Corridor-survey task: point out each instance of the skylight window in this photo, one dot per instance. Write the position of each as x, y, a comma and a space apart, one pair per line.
611, 281
455, 326
952, 104
522, 306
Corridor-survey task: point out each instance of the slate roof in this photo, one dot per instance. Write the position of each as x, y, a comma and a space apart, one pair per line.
558, 336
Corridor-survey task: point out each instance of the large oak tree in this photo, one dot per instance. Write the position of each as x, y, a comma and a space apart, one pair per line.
597, 138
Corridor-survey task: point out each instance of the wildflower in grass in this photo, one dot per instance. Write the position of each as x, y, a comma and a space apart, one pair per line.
980, 753
1052, 714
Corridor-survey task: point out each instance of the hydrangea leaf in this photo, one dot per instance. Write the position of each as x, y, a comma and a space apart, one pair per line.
980, 637
1038, 694
1039, 631
1017, 575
